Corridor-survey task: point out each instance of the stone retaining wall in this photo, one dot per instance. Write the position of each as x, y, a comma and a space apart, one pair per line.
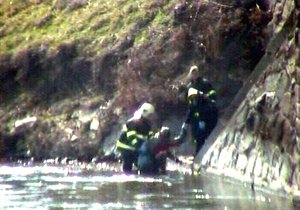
260, 144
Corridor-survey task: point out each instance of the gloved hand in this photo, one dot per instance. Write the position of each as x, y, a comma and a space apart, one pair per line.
203, 96
202, 125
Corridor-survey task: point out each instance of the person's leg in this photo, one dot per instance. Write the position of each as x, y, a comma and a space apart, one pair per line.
146, 164
127, 164
161, 165
129, 159
198, 136
199, 144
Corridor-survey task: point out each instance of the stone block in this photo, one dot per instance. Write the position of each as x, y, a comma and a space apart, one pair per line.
277, 128
242, 161
285, 170
258, 166
265, 170
298, 127
248, 144
282, 85
237, 139
298, 110
298, 75
251, 164
251, 121
242, 116
297, 93
287, 133
270, 84
223, 158
285, 104
297, 177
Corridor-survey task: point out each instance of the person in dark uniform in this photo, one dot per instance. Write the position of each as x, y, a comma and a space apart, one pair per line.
202, 114
135, 131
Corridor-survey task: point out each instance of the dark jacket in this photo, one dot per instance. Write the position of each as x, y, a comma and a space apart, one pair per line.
134, 133
202, 107
205, 87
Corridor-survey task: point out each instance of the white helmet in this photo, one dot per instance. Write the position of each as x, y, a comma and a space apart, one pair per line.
145, 110
193, 69
192, 91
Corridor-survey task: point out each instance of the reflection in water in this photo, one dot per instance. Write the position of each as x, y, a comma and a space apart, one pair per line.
93, 187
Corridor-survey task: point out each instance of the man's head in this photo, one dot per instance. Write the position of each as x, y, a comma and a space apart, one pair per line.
164, 134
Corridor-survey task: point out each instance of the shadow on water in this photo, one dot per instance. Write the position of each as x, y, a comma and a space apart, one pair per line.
97, 187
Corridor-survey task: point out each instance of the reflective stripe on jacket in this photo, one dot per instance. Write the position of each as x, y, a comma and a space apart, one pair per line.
134, 133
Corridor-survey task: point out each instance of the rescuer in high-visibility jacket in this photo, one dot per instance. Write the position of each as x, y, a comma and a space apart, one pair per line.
135, 131
202, 114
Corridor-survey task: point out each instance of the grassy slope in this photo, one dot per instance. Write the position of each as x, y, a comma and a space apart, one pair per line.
126, 48
96, 27
102, 23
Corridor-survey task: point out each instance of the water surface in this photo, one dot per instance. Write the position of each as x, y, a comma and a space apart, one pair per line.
82, 186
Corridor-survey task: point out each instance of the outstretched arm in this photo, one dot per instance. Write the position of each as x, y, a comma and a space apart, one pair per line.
181, 137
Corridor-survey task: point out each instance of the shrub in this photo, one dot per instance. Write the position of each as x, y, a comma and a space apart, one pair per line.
69, 5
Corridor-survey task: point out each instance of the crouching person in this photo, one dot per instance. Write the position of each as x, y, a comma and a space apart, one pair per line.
153, 153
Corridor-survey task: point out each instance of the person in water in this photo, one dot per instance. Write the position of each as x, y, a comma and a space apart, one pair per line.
153, 153
135, 131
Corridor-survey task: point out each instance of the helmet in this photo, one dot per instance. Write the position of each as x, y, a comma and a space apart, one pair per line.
145, 110
192, 73
194, 68
192, 91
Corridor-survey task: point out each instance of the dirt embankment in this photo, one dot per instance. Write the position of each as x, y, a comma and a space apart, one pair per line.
62, 100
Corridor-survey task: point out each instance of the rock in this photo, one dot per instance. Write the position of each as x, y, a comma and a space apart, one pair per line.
287, 133
25, 121
251, 121
286, 104
298, 127
94, 124
285, 170
265, 170
74, 137
258, 166
247, 144
276, 126
282, 84
298, 110
242, 162
250, 165
270, 84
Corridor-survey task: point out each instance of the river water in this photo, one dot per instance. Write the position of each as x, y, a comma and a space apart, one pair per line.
103, 186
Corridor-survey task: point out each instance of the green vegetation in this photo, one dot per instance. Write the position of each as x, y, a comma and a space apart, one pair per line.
70, 63
101, 23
